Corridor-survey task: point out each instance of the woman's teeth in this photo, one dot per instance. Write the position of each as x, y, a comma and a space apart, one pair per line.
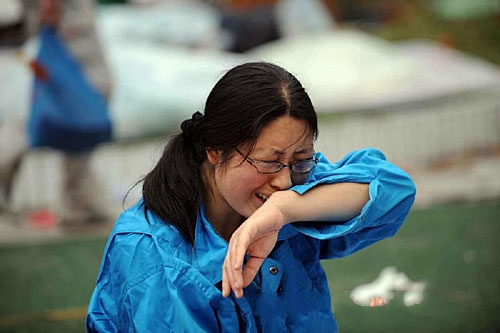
261, 197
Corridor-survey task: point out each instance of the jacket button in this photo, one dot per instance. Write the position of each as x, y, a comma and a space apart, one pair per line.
273, 270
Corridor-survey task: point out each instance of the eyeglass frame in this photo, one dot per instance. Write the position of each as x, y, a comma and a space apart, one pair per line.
251, 161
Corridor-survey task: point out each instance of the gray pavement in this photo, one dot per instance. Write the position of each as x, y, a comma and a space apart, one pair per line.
471, 180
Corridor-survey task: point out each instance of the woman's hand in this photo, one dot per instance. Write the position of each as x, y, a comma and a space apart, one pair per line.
256, 237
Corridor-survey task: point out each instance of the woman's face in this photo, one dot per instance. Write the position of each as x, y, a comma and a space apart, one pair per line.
239, 189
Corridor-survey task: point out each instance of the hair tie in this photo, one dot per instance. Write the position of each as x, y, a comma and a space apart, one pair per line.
189, 126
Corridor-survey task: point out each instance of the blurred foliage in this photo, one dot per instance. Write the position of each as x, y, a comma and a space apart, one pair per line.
410, 19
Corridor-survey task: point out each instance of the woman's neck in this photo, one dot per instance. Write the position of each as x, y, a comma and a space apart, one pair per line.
218, 212
225, 221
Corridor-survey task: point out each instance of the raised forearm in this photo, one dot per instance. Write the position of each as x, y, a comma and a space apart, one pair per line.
328, 202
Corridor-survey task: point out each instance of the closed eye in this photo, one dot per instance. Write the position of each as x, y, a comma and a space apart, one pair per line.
303, 160
268, 162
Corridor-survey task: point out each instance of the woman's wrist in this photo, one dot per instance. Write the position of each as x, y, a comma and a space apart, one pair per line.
285, 201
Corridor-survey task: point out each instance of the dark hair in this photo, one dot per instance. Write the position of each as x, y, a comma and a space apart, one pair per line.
240, 105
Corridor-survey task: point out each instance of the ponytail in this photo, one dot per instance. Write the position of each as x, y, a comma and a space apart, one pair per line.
173, 189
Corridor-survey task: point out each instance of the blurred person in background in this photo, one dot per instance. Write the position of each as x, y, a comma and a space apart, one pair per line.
237, 215
250, 23
74, 21
11, 23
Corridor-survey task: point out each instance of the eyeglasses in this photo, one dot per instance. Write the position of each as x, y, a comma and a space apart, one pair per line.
268, 167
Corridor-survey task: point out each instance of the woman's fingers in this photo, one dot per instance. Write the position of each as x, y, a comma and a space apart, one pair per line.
256, 238
251, 268
231, 279
237, 279
235, 276
232, 270
226, 286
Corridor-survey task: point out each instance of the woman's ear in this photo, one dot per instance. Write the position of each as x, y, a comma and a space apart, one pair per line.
214, 156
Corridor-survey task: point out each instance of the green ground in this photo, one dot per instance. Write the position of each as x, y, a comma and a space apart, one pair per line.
45, 287
453, 249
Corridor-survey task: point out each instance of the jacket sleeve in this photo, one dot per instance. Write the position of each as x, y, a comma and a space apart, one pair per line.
391, 190
139, 290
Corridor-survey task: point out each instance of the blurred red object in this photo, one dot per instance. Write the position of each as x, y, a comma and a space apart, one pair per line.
42, 219
36, 67
39, 70
247, 4
447, 39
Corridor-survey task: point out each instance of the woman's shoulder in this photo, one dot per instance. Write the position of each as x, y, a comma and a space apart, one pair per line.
135, 220
135, 252
137, 242
139, 258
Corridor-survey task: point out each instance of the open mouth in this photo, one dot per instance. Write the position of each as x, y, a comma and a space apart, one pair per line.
261, 197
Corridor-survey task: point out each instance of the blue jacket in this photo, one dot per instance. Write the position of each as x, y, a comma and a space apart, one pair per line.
152, 280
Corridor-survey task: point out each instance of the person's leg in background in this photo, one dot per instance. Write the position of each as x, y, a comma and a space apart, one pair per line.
79, 32
13, 146
80, 192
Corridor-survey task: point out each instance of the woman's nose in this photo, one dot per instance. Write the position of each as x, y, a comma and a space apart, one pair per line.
282, 179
